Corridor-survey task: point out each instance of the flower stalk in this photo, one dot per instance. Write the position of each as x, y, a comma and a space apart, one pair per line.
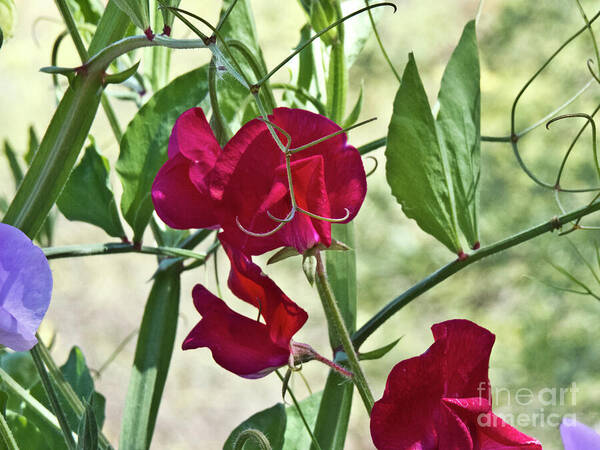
336, 322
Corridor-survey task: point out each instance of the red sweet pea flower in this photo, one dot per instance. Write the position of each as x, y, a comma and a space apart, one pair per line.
244, 188
246, 347
441, 399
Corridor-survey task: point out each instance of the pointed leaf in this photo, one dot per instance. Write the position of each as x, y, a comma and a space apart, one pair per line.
296, 435
337, 84
88, 197
416, 169
355, 113
306, 64
378, 353
34, 144
144, 144
13, 162
458, 122
152, 359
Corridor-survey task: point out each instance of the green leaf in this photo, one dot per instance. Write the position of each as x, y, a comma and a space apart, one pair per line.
13, 162
144, 144
152, 358
416, 167
88, 197
334, 413
378, 353
33, 145
322, 14
281, 425
271, 422
296, 435
458, 123
87, 431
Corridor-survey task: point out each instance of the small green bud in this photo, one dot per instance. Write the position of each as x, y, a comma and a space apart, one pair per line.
309, 266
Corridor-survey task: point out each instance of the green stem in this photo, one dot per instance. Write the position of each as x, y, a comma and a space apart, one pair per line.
5, 433
381, 47
58, 411
112, 118
455, 266
336, 321
69, 251
302, 94
72, 27
104, 57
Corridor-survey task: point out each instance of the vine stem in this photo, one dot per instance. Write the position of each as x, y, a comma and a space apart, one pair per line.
361, 335
69, 251
335, 319
51, 393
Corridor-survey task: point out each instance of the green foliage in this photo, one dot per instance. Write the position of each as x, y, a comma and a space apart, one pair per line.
433, 166
144, 144
458, 125
8, 18
88, 197
415, 166
86, 11
282, 426
334, 413
152, 359
13, 163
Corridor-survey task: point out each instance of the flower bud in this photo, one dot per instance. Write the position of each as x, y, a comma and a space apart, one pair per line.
138, 12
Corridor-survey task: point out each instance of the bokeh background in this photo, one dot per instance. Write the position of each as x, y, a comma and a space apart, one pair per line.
547, 339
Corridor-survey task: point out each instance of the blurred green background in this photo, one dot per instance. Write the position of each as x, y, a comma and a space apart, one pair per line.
547, 339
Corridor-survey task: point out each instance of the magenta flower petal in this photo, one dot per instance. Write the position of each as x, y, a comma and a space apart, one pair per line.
193, 137
238, 344
577, 436
247, 281
437, 401
179, 192
25, 288
177, 201
343, 168
244, 346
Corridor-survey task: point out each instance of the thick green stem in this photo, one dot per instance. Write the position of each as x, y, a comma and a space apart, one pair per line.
336, 321
58, 411
455, 266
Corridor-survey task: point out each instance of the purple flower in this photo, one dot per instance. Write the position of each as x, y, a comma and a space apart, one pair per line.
577, 436
25, 288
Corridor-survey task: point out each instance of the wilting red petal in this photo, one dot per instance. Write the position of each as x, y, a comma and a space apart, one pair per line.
238, 344
177, 201
282, 316
434, 401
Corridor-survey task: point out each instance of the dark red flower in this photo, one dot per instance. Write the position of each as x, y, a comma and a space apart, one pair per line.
247, 347
246, 184
441, 399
